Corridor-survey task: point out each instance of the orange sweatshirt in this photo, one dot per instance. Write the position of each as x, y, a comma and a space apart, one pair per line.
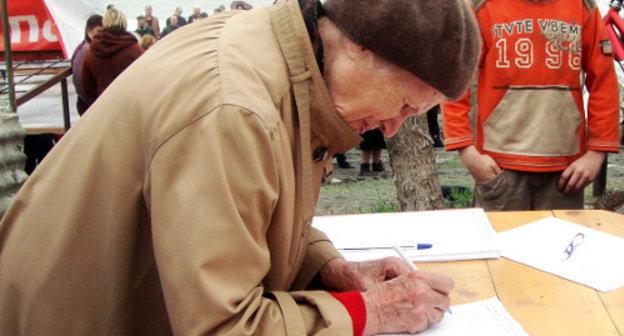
527, 110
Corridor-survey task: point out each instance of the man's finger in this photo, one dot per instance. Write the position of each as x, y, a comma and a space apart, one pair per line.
395, 267
582, 183
570, 185
438, 282
441, 301
496, 168
437, 314
563, 179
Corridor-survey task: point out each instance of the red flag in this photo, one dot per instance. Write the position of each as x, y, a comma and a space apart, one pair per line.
32, 27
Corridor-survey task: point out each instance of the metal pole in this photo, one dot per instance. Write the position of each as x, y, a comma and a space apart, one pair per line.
66, 120
600, 182
7, 55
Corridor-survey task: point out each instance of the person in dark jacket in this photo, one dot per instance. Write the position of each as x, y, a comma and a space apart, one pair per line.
178, 14
142, 27
173, 25
196, 14
92, 28
110, 53
434, 127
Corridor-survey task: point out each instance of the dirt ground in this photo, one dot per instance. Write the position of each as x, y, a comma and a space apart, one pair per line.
356, 194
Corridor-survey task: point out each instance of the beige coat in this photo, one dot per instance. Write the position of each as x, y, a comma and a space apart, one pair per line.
182, 201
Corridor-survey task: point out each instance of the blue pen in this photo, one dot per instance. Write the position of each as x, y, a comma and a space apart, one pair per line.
421, 246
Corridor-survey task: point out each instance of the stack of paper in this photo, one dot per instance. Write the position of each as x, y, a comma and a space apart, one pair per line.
454, 234
481, 318
569, 250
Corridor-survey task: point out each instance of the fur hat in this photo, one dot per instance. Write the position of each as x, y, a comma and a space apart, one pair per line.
436, 40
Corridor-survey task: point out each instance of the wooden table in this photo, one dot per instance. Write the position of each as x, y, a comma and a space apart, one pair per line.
543, 303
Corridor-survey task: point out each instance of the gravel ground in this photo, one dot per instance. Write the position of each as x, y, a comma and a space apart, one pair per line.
356, 194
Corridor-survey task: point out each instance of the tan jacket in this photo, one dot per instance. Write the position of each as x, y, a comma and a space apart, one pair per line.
182, 201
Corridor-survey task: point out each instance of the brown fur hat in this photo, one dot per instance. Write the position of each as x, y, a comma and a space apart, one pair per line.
436, 40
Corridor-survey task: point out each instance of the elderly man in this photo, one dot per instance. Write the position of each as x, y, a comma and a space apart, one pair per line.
186, 204
152, 21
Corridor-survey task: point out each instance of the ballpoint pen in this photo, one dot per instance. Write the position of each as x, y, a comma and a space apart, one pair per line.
421, 246
405, 258
410, 264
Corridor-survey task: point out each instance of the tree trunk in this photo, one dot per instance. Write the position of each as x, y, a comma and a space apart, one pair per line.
413, 163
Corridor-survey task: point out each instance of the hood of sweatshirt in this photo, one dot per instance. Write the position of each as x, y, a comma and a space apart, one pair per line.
111, 41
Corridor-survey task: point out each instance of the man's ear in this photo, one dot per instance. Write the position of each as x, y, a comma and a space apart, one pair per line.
355, 51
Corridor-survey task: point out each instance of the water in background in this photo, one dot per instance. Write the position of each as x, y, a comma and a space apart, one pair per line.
165, 8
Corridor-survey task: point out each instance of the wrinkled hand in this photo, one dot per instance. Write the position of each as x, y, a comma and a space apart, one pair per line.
481, 166
581, 172
408, 303
342, 275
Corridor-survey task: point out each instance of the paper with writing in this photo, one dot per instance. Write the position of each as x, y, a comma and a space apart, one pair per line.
553, 245
455, 234
488, 317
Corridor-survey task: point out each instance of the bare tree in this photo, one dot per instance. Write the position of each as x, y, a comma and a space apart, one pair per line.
413, 162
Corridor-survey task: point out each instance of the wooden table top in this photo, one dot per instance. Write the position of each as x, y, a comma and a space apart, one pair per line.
544, 304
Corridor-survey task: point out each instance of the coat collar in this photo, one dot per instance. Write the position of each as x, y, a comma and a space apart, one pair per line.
324, 121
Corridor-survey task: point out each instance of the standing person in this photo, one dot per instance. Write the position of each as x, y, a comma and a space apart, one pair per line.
92, 28
531, 146
196, 14
171, 26
36, 147
142, 27
110, 53
178, 14
371, 149
152, 21
341, 159
190, 189
434, 126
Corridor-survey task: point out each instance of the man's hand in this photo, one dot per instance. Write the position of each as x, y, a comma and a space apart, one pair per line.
408, 303
581, 172
342, 275
481, 166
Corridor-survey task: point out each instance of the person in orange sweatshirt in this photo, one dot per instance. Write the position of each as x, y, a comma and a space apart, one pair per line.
522, 129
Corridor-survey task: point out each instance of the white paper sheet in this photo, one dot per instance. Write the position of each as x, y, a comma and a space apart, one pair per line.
482, 318
595, 262
455, 234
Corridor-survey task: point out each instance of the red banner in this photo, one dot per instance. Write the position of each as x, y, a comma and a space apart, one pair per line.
31, 27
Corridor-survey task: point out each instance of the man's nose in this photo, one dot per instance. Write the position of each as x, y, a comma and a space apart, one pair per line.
391, 126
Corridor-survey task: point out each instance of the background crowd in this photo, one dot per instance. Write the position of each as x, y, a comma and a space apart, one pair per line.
109, 48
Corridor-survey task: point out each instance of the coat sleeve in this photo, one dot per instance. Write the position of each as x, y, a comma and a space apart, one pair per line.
457, 129
320, 251
156, 28
211, 189
458, 116
87, 78
603, 105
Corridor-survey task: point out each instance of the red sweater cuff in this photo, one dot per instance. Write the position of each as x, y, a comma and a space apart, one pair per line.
354, 303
